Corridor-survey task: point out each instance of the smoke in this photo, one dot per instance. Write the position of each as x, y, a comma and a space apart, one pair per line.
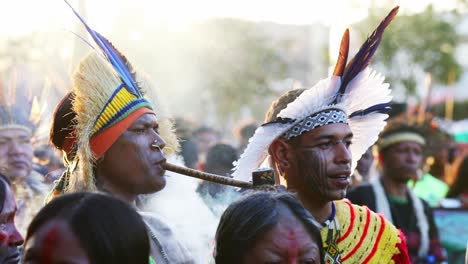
183, 209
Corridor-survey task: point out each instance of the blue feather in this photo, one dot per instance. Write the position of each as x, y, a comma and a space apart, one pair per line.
112, 55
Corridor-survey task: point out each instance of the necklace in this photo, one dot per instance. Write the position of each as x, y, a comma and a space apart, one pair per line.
158, 244
332, 253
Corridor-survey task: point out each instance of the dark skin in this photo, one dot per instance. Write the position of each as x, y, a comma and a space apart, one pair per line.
132, 166
400, 163
316, 165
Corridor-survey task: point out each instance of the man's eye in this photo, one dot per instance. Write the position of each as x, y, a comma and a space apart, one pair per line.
325, 145
348, 143
139, 130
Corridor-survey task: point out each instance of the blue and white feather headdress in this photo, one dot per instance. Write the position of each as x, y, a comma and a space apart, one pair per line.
354, 94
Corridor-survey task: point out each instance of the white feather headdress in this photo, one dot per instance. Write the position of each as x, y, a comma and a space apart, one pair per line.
354, 89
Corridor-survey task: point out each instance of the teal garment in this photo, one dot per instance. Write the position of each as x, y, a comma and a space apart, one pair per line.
431, 189
151, 260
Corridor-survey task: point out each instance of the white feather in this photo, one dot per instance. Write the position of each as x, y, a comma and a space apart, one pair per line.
365, 130
312, 100
257, 149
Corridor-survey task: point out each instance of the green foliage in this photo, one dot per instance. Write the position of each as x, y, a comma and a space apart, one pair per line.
426, 40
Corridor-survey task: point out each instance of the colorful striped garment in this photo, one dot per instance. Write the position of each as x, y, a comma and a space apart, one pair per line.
365, 237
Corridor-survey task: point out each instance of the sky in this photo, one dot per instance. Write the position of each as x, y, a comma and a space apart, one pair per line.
22, 17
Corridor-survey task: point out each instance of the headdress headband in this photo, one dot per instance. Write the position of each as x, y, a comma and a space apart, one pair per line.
400, 137
125, 105
353, 89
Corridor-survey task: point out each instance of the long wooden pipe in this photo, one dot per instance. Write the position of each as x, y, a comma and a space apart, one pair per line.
207, 176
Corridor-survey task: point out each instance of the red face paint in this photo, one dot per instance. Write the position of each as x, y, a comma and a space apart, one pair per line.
287, 242
291, 243
49, 245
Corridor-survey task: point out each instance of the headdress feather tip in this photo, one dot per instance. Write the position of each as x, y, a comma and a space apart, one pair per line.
118, 61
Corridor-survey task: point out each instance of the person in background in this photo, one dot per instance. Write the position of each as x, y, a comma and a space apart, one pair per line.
205, 137
87, 228
267, 227
365, 169
219, 160
243, 132
48, 163
19, 121
10, 238
400, 156
188, 147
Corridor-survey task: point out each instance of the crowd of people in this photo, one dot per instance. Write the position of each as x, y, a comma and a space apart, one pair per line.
115, 141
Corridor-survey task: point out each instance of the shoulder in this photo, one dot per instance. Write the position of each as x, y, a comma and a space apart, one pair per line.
366, 237
158, 227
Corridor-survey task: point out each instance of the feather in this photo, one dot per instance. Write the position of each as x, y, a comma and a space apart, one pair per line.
257, 149
312, 100
115, 57
343, 55
362, 58
365, 133
378, 108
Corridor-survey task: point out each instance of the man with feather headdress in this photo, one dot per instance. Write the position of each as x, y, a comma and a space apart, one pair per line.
20, 116
309, 138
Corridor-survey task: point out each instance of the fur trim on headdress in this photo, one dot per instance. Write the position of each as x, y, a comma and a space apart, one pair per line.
94, 83
355, 89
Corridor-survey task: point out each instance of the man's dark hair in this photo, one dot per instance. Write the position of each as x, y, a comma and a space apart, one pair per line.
245, 220
108, 229
62, 122
219, 159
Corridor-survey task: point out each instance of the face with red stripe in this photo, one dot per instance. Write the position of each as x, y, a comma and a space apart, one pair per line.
288, 242
54, 243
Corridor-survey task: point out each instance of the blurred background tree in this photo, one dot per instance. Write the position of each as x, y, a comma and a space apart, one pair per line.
415, 45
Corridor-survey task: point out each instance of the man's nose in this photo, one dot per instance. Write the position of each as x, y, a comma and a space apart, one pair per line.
16, 239
342, 153
16, 147
159, 141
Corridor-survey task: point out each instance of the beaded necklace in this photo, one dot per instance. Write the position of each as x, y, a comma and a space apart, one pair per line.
330, 247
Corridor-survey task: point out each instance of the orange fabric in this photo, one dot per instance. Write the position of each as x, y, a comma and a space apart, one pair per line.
101, 142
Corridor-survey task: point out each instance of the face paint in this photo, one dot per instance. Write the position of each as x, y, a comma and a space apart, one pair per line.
287, 242
54, 242
49, 245
322, 162
313, 167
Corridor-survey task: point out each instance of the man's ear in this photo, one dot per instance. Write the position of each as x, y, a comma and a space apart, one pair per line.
279, 152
